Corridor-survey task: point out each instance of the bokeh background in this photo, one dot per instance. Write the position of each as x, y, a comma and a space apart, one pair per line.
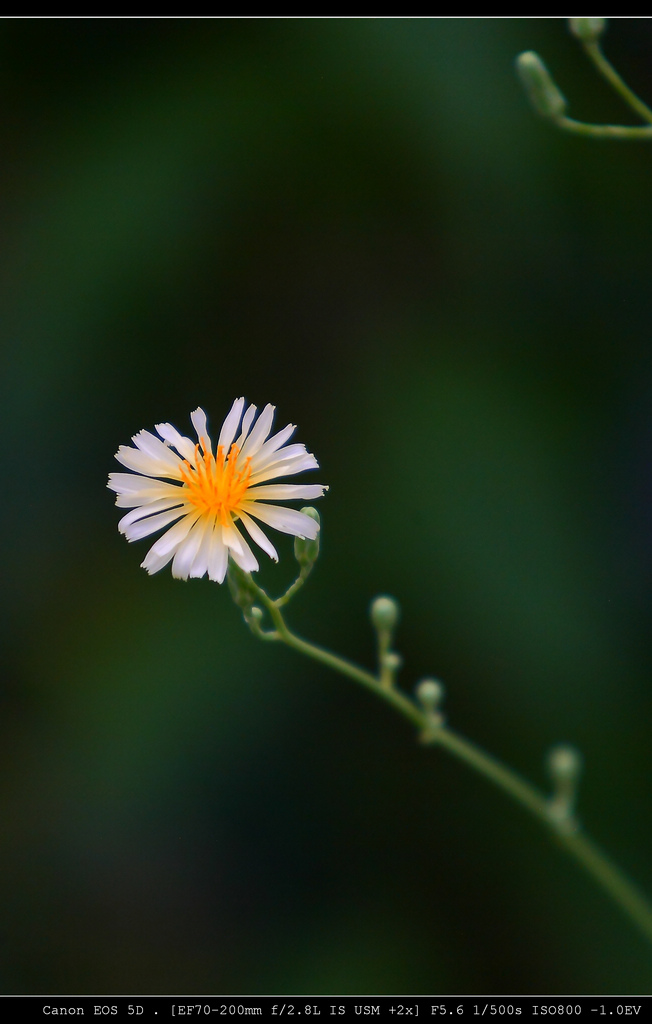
362, 222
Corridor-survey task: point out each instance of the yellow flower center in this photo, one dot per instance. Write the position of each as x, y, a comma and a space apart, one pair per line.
214, 484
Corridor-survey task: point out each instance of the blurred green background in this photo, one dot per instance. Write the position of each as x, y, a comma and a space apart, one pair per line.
362, 222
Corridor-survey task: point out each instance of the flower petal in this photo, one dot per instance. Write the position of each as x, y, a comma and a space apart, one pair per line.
259, 432
239, 549
273, 443
218, 556
257, 535
246, 424
165, 547
130, 483
142, 462
286, 467
148, 509
154, 561
173, 537
183, 445
200, 423
144, 527
152, 446
286, 520
285, 492
149, 490
186, 552
230, 425
199, 566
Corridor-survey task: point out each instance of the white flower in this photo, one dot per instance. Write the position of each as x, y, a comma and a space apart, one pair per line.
208, 491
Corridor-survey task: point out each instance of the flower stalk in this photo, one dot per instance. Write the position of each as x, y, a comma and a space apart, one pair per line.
555, 812
548, 100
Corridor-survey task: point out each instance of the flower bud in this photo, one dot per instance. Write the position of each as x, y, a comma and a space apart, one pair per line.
306, 551
430, 694
587, 30
242, 587
542, 91
564, 765
391, 662
384, 613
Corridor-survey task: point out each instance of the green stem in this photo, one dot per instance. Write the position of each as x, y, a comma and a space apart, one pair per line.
292, 590
604, 872
392, 696
603, 131
505, 778
608, 72
608, 875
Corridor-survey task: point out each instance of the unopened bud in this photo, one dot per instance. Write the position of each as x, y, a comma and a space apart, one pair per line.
564, 764
430, 694
242, 587
392, 661
385, 613
544, 95
306, 551
588, 30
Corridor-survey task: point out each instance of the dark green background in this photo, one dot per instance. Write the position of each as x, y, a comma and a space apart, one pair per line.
362, 222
